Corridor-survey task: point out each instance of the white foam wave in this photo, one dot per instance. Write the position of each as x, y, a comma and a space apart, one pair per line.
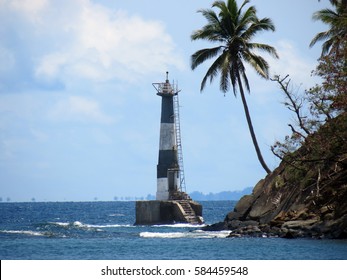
110, 226
192, 234
78, 224
26, 232
179, 226
61, 224
116, 215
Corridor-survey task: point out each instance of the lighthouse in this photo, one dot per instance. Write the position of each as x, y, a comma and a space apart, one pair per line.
172, 204
170, 174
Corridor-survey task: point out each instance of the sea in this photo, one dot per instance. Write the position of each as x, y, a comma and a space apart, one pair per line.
106, 231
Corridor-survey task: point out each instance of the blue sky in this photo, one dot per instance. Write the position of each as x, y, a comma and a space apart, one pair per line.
79, 117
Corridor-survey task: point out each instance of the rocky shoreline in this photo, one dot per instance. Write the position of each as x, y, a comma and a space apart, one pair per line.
290, 229
308, 200
282, 210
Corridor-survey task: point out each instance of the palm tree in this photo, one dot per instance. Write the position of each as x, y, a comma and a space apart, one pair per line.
337, 21
232, 29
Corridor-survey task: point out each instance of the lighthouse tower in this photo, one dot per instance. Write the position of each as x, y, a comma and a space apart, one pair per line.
172, 204
170, 175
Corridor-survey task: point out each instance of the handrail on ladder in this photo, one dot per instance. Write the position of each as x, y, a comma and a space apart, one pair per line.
179, 144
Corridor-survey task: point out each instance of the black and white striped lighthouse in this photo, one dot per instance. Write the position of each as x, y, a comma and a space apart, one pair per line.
172, 204
168, 168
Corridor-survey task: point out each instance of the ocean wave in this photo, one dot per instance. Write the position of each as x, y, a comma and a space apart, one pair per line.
191, 234
28, 232
179, 226
116, 215
111, 226
78, 224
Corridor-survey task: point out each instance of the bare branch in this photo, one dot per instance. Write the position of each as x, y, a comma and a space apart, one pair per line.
295, 103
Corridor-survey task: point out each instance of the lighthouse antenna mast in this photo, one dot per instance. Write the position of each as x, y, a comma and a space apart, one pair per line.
166, 89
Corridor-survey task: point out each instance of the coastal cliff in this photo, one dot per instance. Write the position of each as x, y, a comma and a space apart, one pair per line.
305, 196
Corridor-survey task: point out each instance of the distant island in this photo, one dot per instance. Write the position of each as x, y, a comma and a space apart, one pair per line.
224, 195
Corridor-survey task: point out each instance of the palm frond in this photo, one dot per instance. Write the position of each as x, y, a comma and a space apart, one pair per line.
263, 47
257, 26
201, 56
321, 36
224, 83
242, 5
214, 69
326, 15
233, 74
245, 80
258, 63
212, 31
209, 33
327, 45
249, 16
233, 8
223, 8
266, 24
225, 16
337, 21
210, 15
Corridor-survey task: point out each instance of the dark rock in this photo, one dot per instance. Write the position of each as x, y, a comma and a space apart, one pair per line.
233, 235
300, 224
288, 234
243, 205
233, 216
215, 227
339, 228
249, 223
234, 224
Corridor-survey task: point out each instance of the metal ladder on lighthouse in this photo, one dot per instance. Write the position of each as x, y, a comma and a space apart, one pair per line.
179, 143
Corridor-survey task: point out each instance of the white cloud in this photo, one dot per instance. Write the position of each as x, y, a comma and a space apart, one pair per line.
32, 9
293, 63
77, 108
78, 39
50, 65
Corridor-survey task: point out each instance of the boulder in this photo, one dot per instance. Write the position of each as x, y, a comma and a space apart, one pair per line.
244, 204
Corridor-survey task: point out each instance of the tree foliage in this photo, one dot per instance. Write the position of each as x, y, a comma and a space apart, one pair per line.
337, 21
319, 105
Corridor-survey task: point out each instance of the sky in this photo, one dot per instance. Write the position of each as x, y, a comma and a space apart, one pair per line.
80, 119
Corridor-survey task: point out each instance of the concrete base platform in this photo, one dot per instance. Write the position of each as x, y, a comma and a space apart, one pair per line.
154, 212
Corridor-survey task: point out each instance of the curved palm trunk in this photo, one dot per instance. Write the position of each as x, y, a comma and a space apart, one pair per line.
250, 126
